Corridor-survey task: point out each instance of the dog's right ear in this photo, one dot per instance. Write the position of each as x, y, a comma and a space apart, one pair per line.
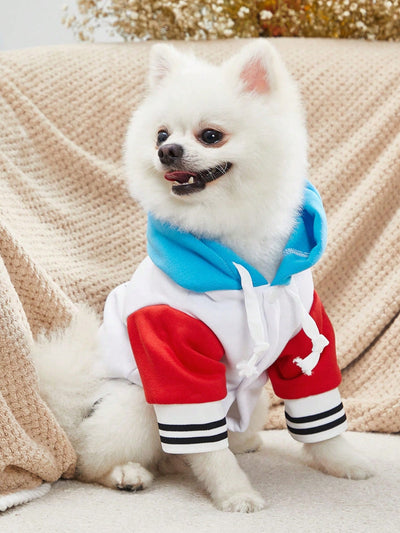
164, 58
257, 68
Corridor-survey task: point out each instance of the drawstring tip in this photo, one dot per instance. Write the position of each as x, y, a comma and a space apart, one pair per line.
308, 364
246, 370
303, 365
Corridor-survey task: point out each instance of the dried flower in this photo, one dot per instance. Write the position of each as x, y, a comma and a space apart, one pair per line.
165, 19
373, 20
130, 20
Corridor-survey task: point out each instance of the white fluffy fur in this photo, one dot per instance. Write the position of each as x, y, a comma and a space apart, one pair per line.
251, 209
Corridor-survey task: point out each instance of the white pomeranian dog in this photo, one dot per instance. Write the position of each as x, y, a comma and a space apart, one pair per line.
217, 157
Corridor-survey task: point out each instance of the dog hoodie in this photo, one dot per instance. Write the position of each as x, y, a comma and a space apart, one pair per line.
201, 331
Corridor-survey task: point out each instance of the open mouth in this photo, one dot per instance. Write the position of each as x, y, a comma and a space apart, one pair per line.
189, 182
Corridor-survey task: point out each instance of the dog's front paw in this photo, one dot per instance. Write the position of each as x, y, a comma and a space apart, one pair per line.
354, 467
130, 477
359, 468
337, 458
242, 502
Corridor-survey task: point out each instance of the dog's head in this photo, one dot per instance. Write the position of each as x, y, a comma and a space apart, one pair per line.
214, 147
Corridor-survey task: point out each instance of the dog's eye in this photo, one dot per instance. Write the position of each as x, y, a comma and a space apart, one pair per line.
162, 136
211, 136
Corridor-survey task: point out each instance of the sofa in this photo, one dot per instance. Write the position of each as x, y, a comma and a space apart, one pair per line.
69, 232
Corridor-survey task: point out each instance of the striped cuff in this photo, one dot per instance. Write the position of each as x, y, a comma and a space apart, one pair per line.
192, 428
316, 418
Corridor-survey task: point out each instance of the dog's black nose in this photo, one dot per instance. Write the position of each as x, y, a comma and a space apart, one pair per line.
170, 153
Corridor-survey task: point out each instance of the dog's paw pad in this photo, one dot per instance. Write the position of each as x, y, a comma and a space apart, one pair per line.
131, 477
243, 503
130, 488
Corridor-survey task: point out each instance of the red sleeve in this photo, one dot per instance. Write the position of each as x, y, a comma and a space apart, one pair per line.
288, 380
178, 356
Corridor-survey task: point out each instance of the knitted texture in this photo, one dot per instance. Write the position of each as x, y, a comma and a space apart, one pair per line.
70, 233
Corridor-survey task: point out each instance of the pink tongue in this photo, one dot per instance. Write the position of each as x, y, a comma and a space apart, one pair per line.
179, 175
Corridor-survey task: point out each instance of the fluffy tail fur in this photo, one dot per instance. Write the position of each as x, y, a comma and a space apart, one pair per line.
110, 425
68, 368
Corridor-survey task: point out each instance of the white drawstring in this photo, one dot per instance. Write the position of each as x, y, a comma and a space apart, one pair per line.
310, 328
255, 323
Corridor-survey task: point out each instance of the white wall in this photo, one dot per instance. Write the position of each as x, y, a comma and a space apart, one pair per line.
26, 23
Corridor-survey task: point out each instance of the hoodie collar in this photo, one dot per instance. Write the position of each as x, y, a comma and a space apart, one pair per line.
203, 265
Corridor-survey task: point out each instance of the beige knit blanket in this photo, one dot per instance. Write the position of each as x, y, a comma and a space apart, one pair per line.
70, 232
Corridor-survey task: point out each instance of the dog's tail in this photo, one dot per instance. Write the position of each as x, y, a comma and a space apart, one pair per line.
68, 369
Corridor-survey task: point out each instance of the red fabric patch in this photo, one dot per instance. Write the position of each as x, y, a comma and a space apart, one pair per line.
178, 356
288, 381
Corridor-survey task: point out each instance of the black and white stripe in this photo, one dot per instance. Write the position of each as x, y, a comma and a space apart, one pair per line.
192, 428
319, 426
189, 438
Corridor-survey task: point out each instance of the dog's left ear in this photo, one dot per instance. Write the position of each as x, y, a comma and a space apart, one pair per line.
257, 67
164, 59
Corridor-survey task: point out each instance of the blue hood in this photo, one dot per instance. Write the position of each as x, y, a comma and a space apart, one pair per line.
202, 265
